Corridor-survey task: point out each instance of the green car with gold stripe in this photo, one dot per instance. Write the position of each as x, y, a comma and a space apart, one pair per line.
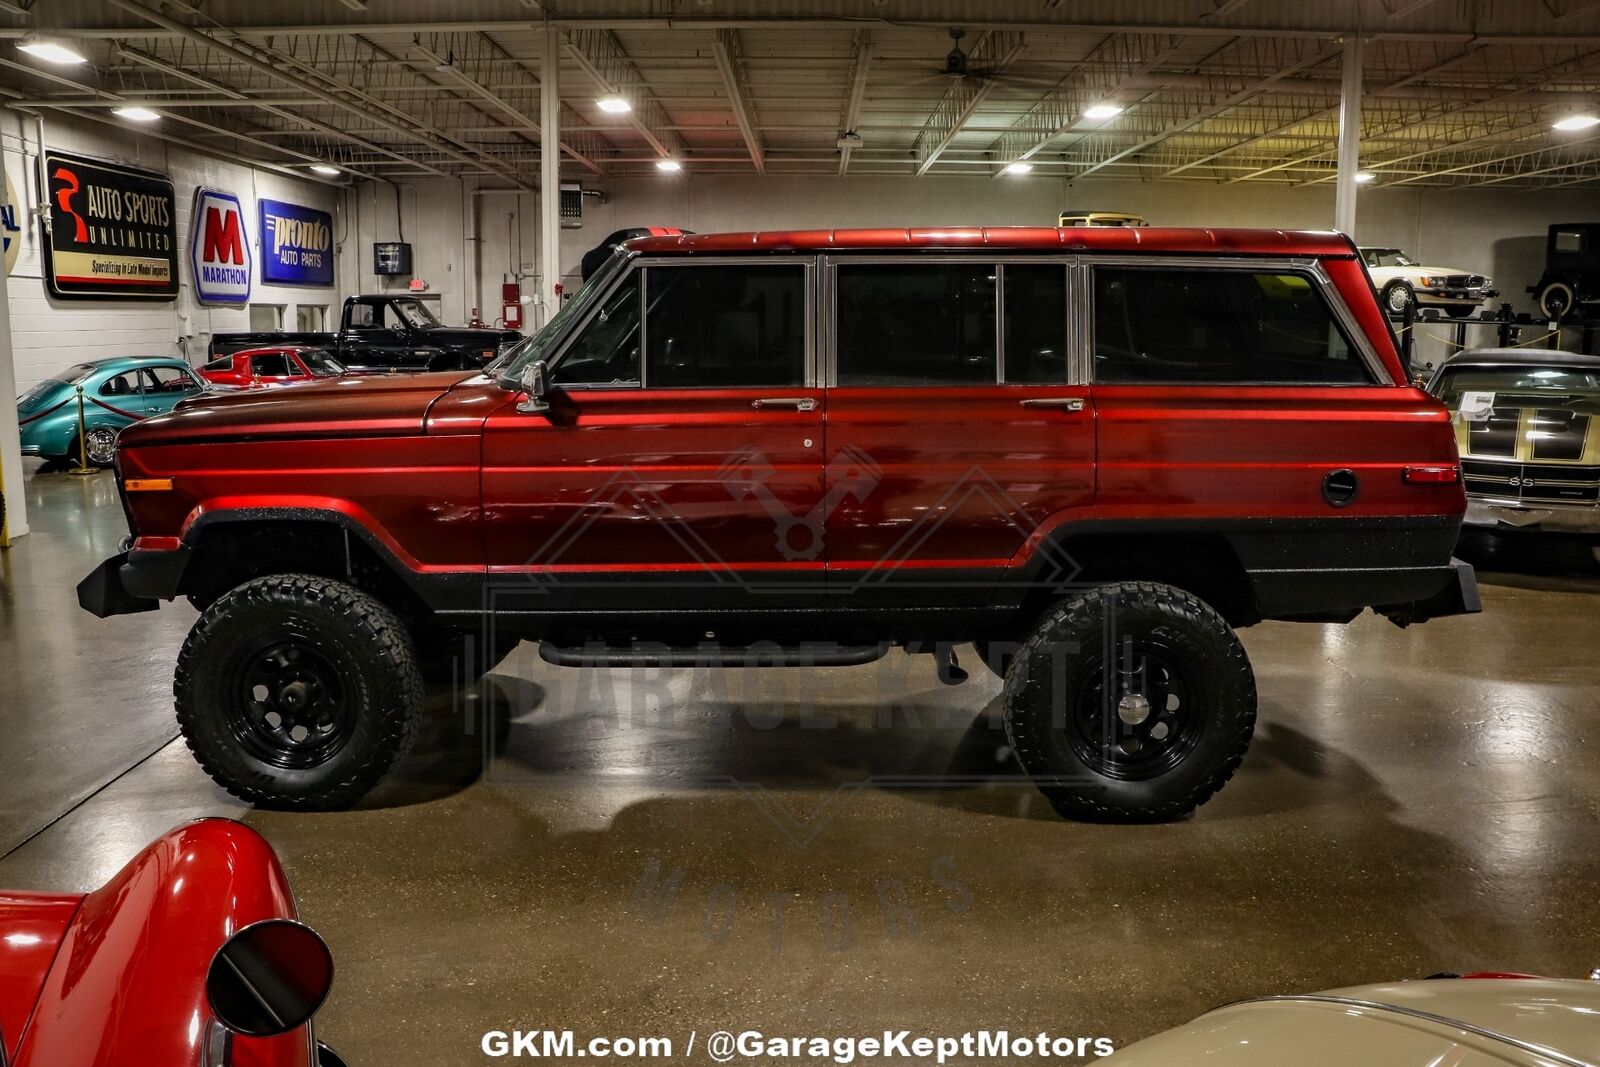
117, 392
1527, 425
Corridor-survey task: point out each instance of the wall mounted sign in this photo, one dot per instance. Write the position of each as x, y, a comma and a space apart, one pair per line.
219, 252
11, 224
296, 245
112, 232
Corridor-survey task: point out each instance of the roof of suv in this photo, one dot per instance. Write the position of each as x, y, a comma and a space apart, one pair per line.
1013, 238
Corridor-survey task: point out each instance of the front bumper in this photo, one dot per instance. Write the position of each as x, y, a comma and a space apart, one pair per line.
1577, 518
132, 581
1455, 296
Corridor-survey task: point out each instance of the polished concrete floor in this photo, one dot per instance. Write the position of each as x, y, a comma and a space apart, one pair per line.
851, 850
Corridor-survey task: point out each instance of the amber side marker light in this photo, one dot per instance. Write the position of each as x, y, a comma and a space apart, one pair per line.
148, 485
1432, 475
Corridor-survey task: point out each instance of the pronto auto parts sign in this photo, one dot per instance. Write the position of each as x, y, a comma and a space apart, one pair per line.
219, 251
112, 231
296, 245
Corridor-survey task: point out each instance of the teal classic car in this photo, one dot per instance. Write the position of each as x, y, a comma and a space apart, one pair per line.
116, 392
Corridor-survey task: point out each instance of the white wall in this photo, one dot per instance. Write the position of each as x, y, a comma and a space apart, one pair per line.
50, 334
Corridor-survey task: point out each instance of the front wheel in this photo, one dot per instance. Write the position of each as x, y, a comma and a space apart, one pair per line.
98, 445
297, 691
1130, 703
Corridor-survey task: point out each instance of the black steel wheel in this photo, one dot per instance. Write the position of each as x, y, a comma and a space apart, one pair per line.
298, 691
1131, 702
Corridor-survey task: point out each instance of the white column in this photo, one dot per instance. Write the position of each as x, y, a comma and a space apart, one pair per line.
1344, 211
550, 171
10, 446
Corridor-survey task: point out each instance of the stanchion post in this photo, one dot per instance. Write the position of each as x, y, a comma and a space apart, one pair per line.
83, 441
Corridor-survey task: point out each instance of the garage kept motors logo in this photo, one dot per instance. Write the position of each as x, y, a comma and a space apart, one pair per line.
219, 250
111, 230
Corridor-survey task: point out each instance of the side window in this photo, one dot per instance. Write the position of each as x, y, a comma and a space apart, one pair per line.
1569, 241
1035, 323
1174, 325
169, 380
270, 365
725, 326
126, 384
916, 324
607, 351
362, 317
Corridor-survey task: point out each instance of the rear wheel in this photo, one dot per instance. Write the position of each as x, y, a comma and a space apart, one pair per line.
298, 691
1132, 702
98, 445
1556, 300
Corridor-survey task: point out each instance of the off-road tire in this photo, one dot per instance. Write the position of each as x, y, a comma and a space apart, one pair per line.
1393, 289
376, 664
1222, 707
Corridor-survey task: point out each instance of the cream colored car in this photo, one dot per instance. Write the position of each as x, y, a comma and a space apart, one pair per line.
1401, 281
1463, 1022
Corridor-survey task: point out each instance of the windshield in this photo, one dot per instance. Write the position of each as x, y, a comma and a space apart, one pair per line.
1567, 382
1388, 257
536, 346
321, 364
416, 314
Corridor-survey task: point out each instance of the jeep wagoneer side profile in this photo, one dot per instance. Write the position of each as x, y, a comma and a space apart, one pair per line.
1094, 453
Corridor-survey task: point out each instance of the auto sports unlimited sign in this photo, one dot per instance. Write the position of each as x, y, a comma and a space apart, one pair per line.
11, 224
219, 251
112, 231
296, 245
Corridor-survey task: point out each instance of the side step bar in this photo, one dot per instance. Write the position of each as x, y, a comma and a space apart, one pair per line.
711, 655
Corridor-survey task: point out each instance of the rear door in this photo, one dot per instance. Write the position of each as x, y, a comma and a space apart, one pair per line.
959, 428
683, 448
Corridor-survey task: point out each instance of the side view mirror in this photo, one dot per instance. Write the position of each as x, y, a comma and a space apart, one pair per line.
269, 978
535, 388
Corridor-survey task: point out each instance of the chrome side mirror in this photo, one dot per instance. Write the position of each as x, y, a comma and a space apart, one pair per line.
535, 389
269, 978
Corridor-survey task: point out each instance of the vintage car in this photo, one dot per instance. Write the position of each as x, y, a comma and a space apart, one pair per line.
1528, 428
1571, 276
1401, 282
1474, 1020
191, 956
117, 392
804, 449
255, 368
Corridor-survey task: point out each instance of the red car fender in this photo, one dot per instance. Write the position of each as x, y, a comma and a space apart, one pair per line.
126, 987
31, 928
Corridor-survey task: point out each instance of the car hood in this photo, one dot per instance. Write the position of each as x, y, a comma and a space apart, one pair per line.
1489, 1021
355, 406
1397, 272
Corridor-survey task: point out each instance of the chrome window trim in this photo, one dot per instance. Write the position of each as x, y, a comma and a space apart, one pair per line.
1425, 1016
1310, 268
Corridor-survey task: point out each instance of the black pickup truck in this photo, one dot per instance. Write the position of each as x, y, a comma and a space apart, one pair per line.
386, 333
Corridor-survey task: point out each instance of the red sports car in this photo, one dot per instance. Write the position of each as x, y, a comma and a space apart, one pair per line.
257, 367
191, 956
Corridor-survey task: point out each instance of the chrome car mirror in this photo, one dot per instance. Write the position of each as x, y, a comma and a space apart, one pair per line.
535, 388
269, 978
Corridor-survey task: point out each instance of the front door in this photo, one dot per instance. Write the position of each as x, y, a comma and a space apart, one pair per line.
959, 432
682, 449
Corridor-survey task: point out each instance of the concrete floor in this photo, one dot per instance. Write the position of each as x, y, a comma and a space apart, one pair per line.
1415, 801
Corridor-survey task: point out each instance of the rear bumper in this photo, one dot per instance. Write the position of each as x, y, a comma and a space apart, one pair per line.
1459, 596
131, 582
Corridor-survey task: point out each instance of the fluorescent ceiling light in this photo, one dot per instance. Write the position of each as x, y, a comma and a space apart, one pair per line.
51, 49
1102, 111
671, 166
136, 114
1577, 122
614, 105
1018, 167
323, 168
1365, 176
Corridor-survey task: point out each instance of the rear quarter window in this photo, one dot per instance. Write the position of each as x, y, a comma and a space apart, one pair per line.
1218, 326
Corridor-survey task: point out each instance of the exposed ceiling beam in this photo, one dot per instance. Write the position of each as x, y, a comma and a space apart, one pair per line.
601, 56
730, 64
861, 64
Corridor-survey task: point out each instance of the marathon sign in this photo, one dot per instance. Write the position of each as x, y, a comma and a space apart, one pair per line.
296, 245
111, 231
219, 251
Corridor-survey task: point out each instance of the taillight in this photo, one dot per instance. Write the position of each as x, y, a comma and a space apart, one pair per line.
1445, 474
